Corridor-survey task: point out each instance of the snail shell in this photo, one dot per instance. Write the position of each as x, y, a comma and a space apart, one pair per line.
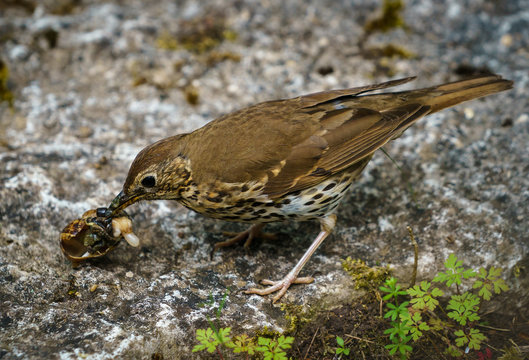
91, 236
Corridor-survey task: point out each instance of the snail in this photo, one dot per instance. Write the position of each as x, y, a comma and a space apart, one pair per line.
93, 235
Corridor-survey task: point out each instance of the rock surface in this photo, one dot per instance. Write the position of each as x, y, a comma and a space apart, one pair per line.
96, 81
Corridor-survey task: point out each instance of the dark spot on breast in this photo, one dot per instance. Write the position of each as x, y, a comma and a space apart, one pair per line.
216, 199
278, 205
244, 188
240, 203
230, 217
292, 215
269, 204
317, 196
196, 192
295, 193
325, 201
240, 212
314, 210
257, 204
258, 212
309, 202
286, 201
277, 215
329, 187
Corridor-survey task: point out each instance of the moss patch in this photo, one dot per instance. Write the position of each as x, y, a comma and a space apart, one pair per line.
198, 35
389, 19
5, 93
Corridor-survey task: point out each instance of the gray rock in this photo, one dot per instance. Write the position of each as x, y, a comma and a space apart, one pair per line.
84, 108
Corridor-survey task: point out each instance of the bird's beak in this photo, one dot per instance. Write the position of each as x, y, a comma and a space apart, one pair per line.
120, 202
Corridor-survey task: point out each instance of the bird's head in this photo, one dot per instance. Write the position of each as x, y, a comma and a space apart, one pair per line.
156, 173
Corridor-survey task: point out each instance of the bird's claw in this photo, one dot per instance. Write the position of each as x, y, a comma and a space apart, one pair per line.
253, 232
281, 286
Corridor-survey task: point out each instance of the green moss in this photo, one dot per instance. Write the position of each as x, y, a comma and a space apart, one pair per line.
389, 19
198, 35
266, 332
365, 277
296, 316
389, 51
5, 93
191, 94
215, 57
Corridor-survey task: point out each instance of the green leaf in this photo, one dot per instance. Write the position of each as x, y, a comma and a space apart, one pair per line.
285, 342
339, 341
500, 285
208, 340
454, 272
395, 311
437, 292
243, 344
398, 330
392, 289
341, 349
422, 298
417, 326
273, 349
464, 308
223, 335
461, 339
485, 291
487, 281
264, 341
475, 339
401, 346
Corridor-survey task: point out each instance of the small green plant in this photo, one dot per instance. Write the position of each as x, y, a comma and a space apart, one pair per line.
399, 330
456, 323
341, 349
214, 338
273, 349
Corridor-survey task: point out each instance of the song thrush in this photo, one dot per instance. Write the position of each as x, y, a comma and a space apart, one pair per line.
290, 159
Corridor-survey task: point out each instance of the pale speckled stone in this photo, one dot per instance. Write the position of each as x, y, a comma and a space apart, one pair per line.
79, 121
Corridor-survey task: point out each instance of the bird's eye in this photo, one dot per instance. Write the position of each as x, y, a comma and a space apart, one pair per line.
148, 181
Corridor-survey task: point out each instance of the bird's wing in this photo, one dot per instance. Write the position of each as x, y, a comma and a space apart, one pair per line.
346, 137
353, 127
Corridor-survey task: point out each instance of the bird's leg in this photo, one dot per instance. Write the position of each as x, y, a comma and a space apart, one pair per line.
253, 232
327, 224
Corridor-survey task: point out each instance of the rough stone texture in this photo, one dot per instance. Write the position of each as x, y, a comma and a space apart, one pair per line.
92, 88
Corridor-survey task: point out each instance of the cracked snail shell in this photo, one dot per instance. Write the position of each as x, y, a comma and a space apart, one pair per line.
93, 236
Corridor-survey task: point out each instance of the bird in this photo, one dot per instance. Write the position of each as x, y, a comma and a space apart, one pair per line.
291, 159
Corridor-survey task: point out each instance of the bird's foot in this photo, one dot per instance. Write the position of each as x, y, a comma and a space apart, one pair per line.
281, 286
253, 232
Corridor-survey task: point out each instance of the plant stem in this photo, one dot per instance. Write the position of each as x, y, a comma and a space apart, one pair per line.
416, 257
220, 353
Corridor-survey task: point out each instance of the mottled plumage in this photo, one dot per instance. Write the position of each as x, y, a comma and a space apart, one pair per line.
286, 159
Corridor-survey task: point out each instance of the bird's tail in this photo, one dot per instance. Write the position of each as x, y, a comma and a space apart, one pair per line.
450, 94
